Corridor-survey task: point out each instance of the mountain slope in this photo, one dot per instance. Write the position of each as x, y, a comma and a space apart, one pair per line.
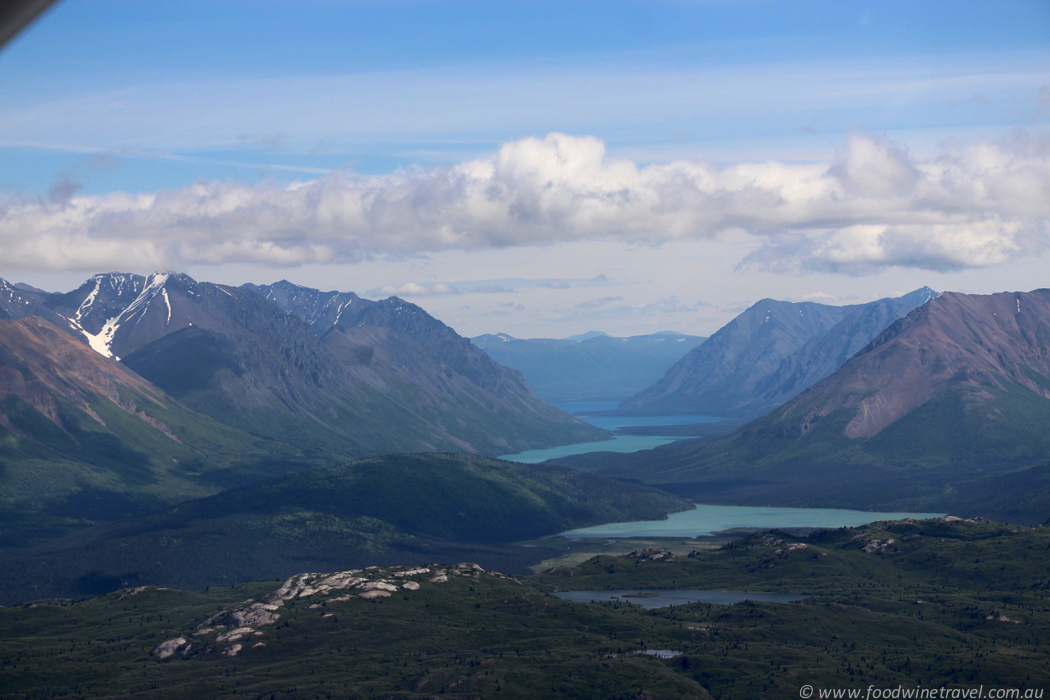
940, 411
324, 310
597, 367
767, 355
452, 381
82, 437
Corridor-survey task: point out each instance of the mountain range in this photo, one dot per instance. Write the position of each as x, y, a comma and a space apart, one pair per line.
946, 409
767, 355
161, 388
590, 367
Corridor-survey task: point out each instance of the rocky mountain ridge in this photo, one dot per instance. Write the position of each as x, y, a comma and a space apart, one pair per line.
326, 310
767, 355
244, 360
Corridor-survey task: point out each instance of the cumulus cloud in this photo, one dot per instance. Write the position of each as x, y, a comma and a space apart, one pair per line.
971, 205
615, 307
413, 289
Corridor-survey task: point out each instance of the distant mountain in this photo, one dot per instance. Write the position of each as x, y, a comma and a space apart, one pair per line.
589, 367
946, 409
325, 310
767, 355
398, 346
84, 438
588, 335
409, 509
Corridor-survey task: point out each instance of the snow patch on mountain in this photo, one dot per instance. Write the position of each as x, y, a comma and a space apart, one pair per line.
102, 341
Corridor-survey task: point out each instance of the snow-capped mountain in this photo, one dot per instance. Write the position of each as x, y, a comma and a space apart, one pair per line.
344, 374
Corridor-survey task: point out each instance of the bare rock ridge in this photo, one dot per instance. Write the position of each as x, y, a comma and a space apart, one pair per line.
769, 354
414, 346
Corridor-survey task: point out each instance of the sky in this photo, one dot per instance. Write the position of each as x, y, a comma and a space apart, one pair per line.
535, 168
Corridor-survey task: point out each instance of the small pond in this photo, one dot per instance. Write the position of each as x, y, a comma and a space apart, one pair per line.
663, 597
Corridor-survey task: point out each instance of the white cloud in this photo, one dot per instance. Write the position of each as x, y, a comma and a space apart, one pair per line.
971, 205
413, 289
598, 303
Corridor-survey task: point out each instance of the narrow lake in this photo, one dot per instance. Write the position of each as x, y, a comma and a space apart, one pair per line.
619, 443
707, 520
652, 598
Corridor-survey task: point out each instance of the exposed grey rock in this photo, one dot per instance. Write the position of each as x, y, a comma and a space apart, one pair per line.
171, 647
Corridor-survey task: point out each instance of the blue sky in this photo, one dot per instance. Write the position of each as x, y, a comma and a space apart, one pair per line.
691, 156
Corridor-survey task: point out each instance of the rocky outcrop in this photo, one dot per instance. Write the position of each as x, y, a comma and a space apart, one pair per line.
877, 546
652, 555
167, 649
228, 631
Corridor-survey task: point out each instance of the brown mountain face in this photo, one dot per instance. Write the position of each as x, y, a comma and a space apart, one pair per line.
42, 364
995, 341
84, 438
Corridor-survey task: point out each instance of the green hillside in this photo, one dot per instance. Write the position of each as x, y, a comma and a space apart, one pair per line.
120, 462
908, 604
392, 509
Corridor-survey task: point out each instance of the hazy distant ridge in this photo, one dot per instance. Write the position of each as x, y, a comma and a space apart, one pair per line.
589, 367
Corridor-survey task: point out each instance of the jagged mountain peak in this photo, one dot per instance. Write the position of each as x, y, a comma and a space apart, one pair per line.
920, 296
115, 313
768, 354
110, 304
323, 310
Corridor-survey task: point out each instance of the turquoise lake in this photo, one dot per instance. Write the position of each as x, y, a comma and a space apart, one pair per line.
707, 520
620, 443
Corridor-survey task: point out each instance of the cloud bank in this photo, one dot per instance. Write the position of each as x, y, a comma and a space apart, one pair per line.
971, 205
